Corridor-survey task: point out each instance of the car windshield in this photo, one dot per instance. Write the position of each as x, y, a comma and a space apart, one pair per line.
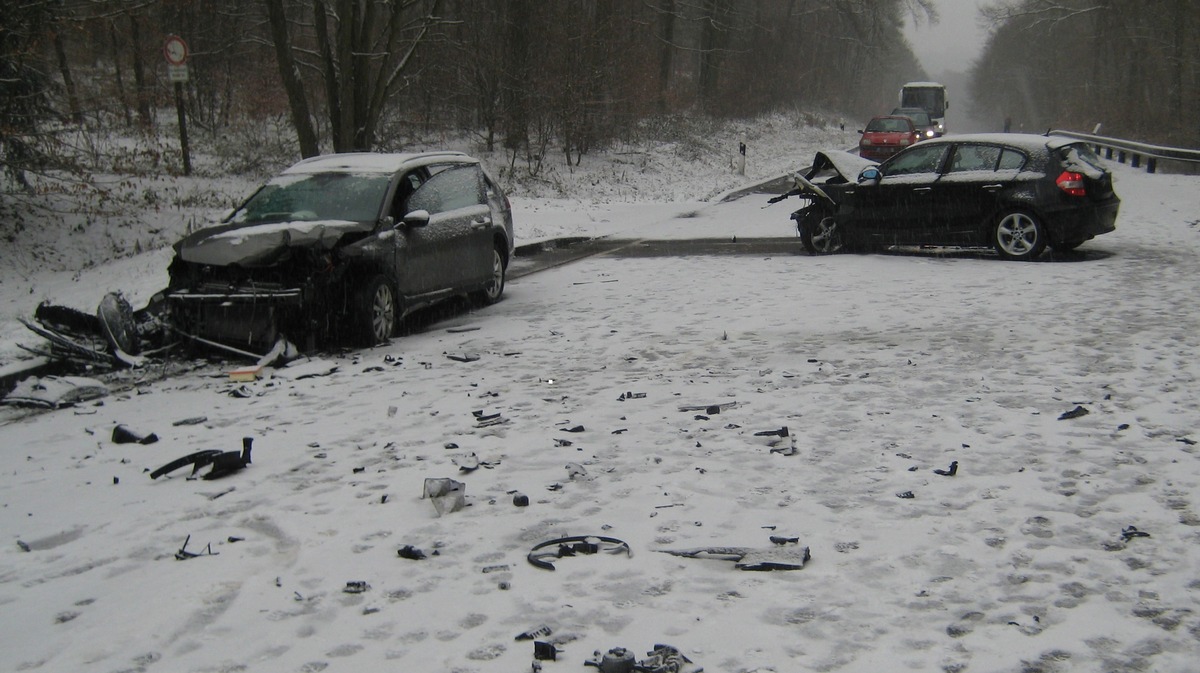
322, 196
888, 126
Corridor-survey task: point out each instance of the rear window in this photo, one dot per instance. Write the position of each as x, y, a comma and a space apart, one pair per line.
1079, 157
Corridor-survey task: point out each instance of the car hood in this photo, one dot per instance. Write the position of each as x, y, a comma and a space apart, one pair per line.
832, 166
261, 244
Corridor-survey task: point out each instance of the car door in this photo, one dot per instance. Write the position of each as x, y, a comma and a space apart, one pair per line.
449, 245
894, 209
966, 196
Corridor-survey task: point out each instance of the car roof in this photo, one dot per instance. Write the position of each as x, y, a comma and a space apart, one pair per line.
1026, 141
373, 162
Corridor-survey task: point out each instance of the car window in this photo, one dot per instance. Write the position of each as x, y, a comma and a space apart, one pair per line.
918, 159
407, 185
452, 188
888, 126
1080, 157
1011, 160
974, 158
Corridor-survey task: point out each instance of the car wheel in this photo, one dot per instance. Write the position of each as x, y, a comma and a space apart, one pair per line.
490, 294
1019, 235
821, 236
375, 312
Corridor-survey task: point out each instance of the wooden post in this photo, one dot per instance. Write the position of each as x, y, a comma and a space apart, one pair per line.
183, 137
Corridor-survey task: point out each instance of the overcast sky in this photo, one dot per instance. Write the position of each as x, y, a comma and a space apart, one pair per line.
952, 44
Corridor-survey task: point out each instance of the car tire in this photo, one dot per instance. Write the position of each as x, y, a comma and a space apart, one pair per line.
491, 293
1019, 235
820, 236
375, 311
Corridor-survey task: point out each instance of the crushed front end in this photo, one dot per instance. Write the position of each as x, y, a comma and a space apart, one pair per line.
252, 308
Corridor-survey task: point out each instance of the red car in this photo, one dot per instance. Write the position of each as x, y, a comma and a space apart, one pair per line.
885, 136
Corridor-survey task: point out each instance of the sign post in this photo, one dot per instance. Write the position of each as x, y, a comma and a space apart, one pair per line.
176, 52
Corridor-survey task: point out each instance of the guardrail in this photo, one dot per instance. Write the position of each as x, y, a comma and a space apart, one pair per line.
1134, 150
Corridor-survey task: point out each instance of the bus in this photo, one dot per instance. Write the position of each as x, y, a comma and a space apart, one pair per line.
930, 97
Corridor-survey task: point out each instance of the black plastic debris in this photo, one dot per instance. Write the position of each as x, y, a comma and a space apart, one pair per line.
543, 651
1130, 532
781, 540
616, 660
223, 463
1074, 413
410, 552
540, 631
577, 428
183, 554
123, 434
228, 462
949, 472
574, 546
662, 659
781, 432
907, 495
356, 587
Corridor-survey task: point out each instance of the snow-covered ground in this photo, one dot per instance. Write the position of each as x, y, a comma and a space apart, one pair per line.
633, 394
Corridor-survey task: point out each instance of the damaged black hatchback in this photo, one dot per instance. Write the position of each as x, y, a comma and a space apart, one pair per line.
339, 248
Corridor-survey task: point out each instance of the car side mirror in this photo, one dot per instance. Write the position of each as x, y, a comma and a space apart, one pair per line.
417, 218
870, 174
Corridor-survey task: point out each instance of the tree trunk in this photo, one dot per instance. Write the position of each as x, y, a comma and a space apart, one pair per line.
60, 52
292, 84
128, 114
145, 105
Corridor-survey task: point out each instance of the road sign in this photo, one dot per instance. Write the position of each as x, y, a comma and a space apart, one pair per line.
176, 50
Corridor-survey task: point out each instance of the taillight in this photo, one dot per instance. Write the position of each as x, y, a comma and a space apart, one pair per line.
1071, 183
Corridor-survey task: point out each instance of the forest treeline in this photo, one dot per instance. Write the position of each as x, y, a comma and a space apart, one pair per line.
532, 77
1133, 67
536, 78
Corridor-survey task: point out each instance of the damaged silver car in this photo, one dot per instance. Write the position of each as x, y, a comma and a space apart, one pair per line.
339, 248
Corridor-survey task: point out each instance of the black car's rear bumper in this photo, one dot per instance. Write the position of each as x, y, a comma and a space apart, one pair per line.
1083, 223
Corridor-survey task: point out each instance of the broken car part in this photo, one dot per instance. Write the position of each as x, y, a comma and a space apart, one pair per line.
574, 546
121, 434
183, 554
446, 494
749, 558
223, 462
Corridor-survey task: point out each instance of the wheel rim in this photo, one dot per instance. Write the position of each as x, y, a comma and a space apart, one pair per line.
496, 285
825, 238
1017, 234
383, 313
